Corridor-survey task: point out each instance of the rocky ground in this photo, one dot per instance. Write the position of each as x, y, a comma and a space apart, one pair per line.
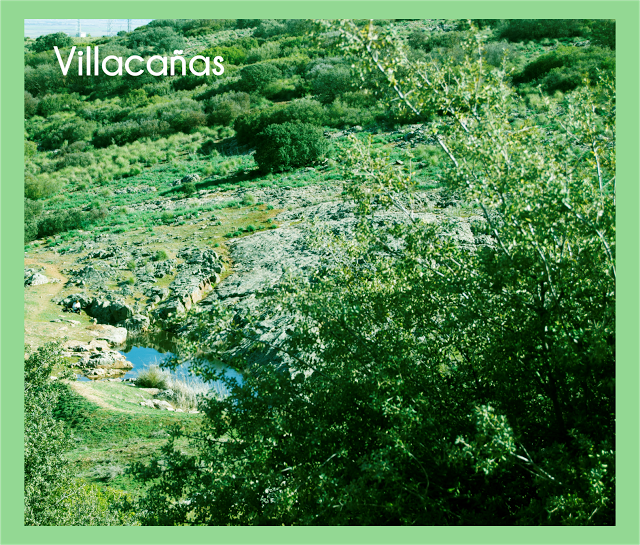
130, 282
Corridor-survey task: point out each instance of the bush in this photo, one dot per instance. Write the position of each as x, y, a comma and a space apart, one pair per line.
224, 109
79, 159
329, 84
564, 68
254, 78
51, 104
52, 496
69, 130
248, 199
40, 187
188, 189
153, 377
289, 145
428, 41
518, 30
304, 110
161, 255
47, 42
30, 104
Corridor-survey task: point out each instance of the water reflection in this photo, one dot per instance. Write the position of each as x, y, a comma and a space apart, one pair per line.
143, 351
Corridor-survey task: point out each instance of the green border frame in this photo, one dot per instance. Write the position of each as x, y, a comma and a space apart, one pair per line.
12, 15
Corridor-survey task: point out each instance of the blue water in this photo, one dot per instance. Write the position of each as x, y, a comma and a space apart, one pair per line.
144, 351
96, 27
144, 356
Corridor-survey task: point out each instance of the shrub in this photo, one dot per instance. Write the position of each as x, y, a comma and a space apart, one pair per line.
188, 188
71, 130
305, 110
331, 83
248, 199
47, 42
517, 30
564, 68
225, 108
40, 187
153, 377
428, 41
30, 104
160, 255
254, 78
51, 104
79, 159
289, 145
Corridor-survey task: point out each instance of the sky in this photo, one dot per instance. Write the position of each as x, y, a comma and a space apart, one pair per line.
96, 27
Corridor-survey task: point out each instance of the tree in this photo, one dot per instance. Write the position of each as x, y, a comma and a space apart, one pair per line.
289, 145
431, 381
48, 41
52, 495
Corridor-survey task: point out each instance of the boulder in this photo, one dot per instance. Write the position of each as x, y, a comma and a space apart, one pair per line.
109, 312
113, 335
190, 179
137, 323
36, 279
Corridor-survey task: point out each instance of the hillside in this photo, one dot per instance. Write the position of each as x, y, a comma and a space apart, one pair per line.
282, 222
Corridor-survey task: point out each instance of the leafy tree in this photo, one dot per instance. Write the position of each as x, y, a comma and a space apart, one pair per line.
53, 497
48, 41
424, 379
254, 78
289, 145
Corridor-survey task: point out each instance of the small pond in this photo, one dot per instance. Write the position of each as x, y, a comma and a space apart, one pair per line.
143, 351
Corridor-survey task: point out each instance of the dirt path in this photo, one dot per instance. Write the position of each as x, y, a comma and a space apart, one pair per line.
85, 390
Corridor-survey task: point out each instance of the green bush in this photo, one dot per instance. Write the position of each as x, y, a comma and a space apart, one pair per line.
160, 255
248, 199
51, 104
188, 188
564, 68
79, 159
47, 42
40, 187
225, 108
254, 78
153, 377
289, 145
304, 110
69, 130
428, 41
518, 30
52, 496
331, 83
30, 104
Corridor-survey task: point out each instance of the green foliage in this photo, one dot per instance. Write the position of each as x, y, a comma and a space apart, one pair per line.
48, 41
66, 220
225, 108
425, 380
254, 78
30, 104
290, 145
248, 199
248, 126
153, 377
52, 496
429, 41
160, 255
159, 39
517, 30
602, 32
565, 68
188, 189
